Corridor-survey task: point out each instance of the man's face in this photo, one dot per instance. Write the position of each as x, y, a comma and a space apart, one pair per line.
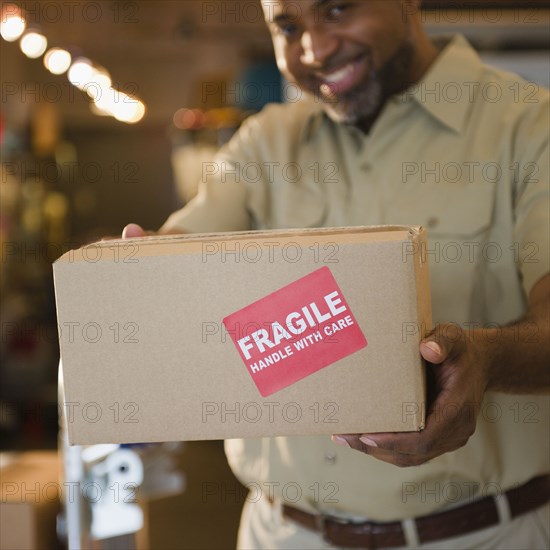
351, 54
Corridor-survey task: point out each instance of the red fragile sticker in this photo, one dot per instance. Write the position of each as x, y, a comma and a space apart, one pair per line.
295, 331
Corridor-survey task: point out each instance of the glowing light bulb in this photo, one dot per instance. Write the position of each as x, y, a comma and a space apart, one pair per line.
57, 61
33, 44
118, 105
139, 113
81, 73
128, 109
98, 85
106, 101
12, 24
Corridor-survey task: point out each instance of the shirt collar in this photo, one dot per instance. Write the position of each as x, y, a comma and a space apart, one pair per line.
444, 92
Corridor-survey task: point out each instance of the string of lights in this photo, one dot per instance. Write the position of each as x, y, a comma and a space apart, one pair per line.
84, 74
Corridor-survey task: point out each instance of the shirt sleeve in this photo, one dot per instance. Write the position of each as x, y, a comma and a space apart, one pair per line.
218, 207
532, 205
222, 200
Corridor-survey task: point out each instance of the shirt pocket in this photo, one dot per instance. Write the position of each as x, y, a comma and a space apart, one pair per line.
301, 204
458, 218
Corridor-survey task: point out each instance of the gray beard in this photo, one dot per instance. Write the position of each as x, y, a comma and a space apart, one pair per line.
363, 103
368, 100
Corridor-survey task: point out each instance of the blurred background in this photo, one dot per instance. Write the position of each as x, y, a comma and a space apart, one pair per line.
108, 110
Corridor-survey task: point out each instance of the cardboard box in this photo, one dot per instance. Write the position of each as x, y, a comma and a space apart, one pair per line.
206, 514
30, 500
216, 336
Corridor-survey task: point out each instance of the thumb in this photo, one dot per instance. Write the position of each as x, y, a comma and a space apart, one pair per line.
133, 230
432, 351
444, 340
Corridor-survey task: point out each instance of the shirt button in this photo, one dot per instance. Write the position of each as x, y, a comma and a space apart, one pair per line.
330, 458
432, 222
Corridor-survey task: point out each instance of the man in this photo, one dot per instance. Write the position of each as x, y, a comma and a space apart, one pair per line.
402, 130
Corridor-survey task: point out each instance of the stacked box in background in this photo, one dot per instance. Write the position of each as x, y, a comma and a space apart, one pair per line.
30, 500
206, 514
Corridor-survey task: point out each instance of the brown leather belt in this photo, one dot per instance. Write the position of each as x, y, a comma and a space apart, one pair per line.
451, 523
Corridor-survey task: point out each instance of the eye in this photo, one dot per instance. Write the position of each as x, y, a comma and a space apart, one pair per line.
335, 11
289, 30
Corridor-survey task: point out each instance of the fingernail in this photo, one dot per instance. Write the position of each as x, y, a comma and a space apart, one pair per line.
368, 441
340, 441
433, 346
132, 230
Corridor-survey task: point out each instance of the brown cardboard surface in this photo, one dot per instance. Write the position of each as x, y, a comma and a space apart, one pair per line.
29, 502
146, 357
206, 514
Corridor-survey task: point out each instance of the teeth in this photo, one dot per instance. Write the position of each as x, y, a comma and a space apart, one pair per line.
338, 76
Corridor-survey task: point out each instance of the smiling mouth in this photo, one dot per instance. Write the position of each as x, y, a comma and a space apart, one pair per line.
343, 79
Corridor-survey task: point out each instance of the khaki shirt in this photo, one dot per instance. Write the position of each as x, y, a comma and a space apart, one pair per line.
463, 153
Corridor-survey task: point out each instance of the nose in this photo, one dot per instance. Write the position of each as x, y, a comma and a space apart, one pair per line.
317, 48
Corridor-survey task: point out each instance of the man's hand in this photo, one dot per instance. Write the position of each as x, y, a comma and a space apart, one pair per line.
131, 231
462, 366
460, 377
134, 231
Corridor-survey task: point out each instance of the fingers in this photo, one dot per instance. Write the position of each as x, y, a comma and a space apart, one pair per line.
132, 230
449, 425
402, 443
356, 442
451, 418
399, 449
